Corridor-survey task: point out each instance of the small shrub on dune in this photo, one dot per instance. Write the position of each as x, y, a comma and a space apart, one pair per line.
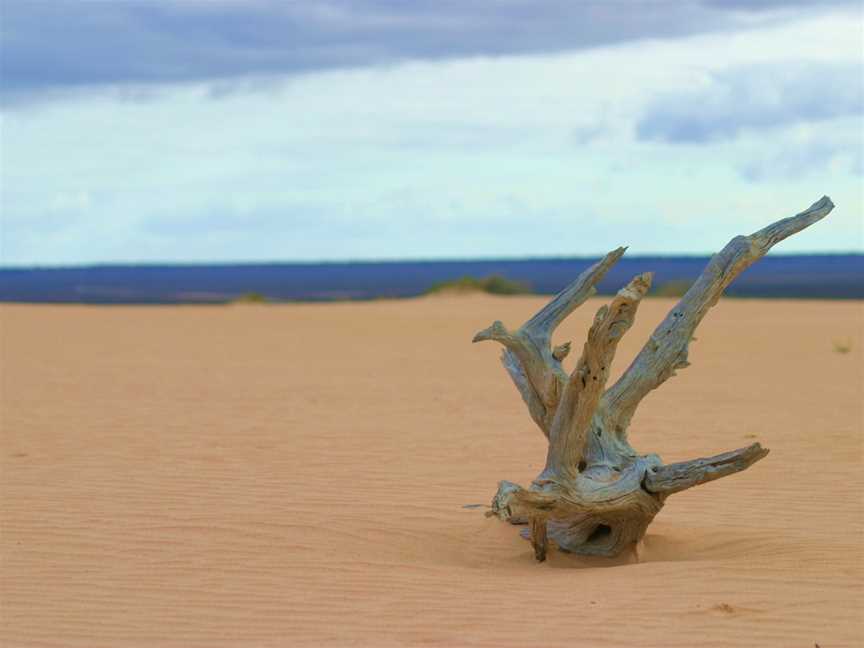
252, 298
498, 285
842, 346
493, 285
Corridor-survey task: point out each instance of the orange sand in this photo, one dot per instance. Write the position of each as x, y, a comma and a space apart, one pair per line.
294, 476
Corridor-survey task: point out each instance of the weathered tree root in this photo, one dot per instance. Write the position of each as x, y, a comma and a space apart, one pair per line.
596, 494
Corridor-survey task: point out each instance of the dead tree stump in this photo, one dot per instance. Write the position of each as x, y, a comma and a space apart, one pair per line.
597, 495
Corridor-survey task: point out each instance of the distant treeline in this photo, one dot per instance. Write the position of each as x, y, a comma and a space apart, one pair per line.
807, 276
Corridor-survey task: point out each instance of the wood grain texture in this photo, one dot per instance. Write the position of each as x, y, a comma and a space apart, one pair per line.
666, 350
596, 489
261, 476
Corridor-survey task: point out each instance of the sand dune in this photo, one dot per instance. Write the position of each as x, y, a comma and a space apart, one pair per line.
295, 476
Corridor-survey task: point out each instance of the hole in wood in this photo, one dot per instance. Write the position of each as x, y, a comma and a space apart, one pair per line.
600, 533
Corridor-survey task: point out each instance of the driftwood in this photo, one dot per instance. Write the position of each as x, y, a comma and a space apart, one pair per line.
596, 495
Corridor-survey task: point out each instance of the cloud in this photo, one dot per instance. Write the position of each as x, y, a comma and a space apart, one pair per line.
479, 156
755, 96
799, 153
68, 44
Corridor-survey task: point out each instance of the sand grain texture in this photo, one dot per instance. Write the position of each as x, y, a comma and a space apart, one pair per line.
294, 476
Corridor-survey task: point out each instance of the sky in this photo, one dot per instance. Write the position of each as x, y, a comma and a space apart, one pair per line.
240, 131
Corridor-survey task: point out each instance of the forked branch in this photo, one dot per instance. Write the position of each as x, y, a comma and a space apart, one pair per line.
533, 365
543, 324
597, 495
586, 383
666, 349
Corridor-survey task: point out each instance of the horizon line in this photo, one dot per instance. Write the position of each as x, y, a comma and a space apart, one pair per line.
372, 261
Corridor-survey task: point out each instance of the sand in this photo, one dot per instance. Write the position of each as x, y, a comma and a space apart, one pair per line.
295, 475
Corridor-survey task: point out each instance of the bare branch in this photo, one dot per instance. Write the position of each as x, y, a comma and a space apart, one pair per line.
541, 326
585, 385
532, 364
666, 349
673, 478
536, 408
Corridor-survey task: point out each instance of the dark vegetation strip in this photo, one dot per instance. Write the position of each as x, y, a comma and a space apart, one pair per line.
794, 276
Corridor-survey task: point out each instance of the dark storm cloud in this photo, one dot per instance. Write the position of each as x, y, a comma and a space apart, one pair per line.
755, 97
50, 47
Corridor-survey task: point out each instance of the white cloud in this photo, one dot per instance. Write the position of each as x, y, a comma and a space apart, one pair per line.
527, 155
